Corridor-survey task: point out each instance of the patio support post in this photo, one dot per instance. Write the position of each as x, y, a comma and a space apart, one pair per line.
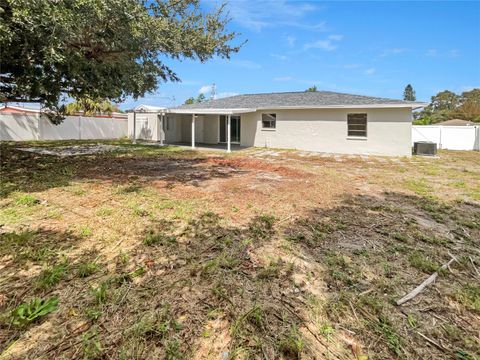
193, 131
162, 129
134, 141
229, 145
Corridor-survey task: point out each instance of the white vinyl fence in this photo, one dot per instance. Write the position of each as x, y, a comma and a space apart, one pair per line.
24, 127
448, 137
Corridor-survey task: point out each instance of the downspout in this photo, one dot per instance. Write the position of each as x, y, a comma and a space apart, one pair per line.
134, 141
162, 129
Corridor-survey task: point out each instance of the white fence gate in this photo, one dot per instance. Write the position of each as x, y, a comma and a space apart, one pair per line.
448, 137
25, 127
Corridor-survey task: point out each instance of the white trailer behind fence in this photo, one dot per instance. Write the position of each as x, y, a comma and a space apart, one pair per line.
448, 137
31, 126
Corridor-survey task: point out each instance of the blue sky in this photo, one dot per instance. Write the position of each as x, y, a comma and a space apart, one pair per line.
371, 48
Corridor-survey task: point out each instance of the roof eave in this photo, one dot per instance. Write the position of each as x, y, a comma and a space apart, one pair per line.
210, 111
231, 111
365, 106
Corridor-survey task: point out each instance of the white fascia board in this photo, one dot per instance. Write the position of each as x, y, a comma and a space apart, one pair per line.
210, 111
273, 108
372, 106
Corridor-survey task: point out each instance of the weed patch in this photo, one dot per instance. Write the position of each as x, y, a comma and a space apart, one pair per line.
87, 269
469, 296
33, 310
422, 263
51, 276
26, 200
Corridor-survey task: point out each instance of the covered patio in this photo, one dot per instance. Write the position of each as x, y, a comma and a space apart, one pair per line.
210, 129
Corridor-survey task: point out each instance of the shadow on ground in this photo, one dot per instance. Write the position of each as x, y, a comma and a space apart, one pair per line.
323, 285
31, 172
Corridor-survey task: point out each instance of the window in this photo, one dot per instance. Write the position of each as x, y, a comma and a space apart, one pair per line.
357, 125
269, 121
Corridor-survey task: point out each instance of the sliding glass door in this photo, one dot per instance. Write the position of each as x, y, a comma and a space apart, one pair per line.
234, 129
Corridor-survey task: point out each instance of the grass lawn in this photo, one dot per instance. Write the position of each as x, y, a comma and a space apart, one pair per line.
149, 253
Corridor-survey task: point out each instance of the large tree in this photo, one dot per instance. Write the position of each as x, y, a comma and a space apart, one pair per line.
90, 107
444, 100
101, 49
447, 105
409, 93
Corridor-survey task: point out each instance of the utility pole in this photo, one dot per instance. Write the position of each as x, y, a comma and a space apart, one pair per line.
213, 93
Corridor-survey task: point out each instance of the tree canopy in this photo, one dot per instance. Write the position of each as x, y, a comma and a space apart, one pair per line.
101, 49
447, 105
409, 93
90, 107
312, 89
191, 100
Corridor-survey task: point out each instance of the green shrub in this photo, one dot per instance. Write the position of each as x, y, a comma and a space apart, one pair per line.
52, 276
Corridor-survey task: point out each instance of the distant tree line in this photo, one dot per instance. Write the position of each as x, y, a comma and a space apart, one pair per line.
199, 99
447, 105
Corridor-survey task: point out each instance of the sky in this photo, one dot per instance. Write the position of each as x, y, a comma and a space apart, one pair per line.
369, 48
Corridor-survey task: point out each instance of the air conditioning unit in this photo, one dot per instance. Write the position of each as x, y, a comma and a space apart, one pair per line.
424, 148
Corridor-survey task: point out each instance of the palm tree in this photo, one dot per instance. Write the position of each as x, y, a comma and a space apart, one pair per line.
89, 106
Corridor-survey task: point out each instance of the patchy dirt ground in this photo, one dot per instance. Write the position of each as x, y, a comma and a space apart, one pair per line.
165, 253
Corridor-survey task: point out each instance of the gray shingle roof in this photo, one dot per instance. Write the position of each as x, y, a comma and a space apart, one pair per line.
294, 99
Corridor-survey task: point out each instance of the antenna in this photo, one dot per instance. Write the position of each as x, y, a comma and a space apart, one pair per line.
213, 92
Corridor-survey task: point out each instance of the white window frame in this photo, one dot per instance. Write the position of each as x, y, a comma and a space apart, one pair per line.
357, 136
270, 128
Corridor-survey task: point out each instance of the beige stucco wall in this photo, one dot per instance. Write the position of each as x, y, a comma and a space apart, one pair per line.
389, 131
206, 129
211, 129
151, 130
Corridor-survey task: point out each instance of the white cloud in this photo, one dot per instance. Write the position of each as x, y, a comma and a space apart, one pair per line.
454, 53
205, 89
335, 37
257, 15
394, 51
291, 40
327, 44
321, 44
321, 26
279, 57
283, 78
468, 87
247, 64
370, 71
351, 66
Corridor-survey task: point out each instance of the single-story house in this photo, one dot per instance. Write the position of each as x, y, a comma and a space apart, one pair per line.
320, 121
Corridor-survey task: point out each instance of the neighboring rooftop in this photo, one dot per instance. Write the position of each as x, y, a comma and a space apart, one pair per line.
456, 122
18, 109
304, 99
148, 108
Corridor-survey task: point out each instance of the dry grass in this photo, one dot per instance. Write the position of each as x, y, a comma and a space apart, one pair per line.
163, 253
